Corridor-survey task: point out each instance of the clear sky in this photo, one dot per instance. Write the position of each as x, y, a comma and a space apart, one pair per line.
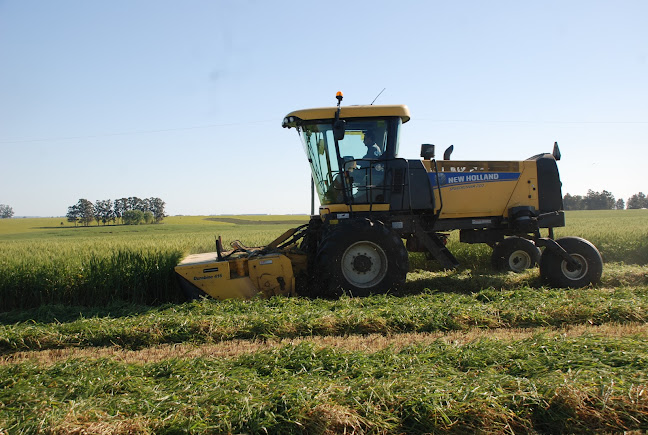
183, 100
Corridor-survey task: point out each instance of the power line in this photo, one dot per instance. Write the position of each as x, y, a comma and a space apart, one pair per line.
198, 127
131, 133
529, 122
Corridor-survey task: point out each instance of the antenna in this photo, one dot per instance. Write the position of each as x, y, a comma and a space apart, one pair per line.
377, 96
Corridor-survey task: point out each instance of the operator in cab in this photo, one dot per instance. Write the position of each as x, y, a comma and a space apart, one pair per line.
370, 177
373, 150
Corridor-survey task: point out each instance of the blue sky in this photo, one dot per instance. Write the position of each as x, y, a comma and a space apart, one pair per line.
184, 100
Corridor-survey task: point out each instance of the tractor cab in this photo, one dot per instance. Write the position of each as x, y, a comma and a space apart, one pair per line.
353, 154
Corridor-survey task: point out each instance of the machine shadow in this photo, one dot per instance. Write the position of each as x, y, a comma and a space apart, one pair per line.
59, 313
467, 281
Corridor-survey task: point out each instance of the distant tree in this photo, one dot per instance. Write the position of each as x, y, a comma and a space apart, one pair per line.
6, 211
157, 208
148, 217
96, 214
574, 202
638, 200
85, 211
120, 207
620, 204
73, 214
599, 200
145, 205
103, 211
608, 200
134, 203
133, 217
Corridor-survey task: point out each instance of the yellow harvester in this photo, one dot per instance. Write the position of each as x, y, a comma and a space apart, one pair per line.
372, 200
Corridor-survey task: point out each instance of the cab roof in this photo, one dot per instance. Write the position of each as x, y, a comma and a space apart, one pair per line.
347, 112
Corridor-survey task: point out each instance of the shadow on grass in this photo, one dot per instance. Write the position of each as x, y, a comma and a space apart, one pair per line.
258, 222
65, 314
62, 227
467, 281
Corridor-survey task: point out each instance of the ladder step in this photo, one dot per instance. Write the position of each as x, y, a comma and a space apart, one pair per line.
435, 246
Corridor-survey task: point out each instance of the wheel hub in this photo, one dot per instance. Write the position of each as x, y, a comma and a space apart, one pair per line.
362, 263
575, 273
519, 261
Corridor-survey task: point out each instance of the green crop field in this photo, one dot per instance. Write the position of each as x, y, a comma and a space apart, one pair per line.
95, 338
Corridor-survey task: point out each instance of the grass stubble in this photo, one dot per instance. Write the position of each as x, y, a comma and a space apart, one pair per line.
434, 362
572, 380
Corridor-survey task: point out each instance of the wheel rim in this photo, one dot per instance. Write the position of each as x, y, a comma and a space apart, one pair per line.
574, 273
519, 261
364, 264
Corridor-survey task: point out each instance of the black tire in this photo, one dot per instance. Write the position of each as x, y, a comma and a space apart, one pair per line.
306, 282
556, 272
360, 257
515, 254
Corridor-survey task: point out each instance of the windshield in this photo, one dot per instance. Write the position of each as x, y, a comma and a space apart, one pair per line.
340, 173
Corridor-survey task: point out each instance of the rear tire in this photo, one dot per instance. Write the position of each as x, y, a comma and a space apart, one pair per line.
515, 254
360, 257
556, 272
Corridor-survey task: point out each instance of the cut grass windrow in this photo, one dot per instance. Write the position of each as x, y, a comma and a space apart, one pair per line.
365, 343
545, 384
208, 321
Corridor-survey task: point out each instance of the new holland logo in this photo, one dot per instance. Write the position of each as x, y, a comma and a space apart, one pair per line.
456, 178
473, 177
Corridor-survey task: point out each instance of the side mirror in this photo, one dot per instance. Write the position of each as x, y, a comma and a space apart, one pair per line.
339, 127
427, 151
448, 151
556, 151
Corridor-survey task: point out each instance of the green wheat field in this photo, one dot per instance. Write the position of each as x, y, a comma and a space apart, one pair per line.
95, 338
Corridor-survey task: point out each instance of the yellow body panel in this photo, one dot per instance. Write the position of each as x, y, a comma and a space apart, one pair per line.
344, 208
272, 274
239, 278
473, 188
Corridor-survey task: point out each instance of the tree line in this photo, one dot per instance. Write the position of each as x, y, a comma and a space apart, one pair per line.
126, 211
603, 201
133, 210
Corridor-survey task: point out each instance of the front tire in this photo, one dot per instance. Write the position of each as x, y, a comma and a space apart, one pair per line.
557, 272
515, 254
362, 257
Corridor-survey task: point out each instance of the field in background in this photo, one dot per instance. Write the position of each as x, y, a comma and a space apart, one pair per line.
90, 346
42, 262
